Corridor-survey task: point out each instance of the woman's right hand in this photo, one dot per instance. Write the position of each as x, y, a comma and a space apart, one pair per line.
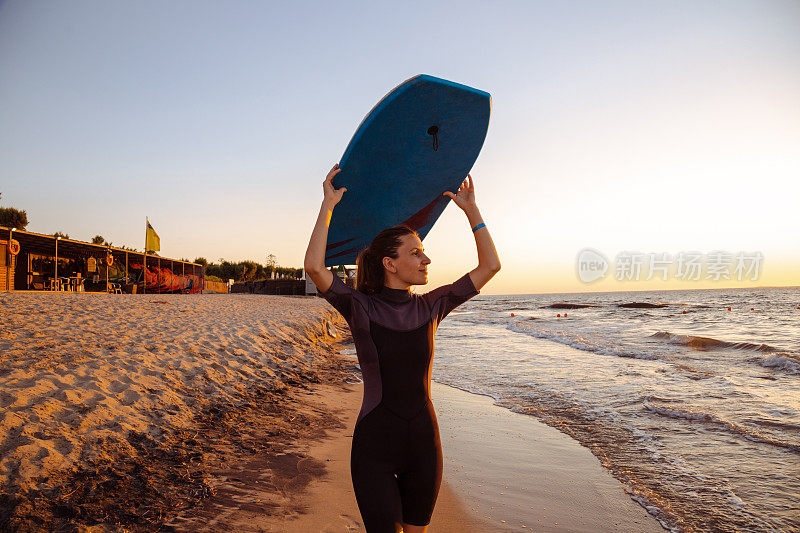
333, 195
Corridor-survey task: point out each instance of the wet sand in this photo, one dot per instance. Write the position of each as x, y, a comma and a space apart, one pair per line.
319, 494
502, 472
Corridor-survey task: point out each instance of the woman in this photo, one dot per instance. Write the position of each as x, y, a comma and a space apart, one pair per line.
396, 455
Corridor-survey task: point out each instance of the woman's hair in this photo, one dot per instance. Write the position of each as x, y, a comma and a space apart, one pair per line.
371, 274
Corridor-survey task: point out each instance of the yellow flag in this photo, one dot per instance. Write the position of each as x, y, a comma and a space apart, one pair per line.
152, 242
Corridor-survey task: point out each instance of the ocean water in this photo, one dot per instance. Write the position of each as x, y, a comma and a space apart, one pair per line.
694, 408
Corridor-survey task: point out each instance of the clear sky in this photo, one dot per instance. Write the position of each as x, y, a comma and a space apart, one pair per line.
654, 127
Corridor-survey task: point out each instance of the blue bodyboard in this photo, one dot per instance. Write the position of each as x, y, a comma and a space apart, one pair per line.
420, 140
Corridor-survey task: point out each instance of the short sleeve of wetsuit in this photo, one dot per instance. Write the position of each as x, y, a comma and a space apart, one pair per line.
340, 296
444, 299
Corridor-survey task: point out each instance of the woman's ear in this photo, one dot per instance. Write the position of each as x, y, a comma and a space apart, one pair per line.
387, 264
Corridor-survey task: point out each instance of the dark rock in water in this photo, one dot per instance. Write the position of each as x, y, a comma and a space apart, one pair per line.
562, 305
641, 305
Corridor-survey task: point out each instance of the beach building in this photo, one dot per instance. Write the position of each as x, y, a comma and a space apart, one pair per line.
347, 273
303, 286
33, 261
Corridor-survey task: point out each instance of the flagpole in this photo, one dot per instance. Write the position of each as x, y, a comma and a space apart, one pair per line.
144, 268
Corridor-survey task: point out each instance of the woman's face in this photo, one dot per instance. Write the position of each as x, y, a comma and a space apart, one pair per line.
411, 262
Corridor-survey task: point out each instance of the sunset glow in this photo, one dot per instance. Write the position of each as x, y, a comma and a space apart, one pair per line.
656, 129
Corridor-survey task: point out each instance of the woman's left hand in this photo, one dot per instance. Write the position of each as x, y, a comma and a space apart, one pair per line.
465, 197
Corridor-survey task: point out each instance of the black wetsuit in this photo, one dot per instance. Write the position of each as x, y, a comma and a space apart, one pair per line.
396, 457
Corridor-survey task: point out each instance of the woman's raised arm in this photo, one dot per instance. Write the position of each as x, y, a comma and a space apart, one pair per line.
314, 262
488, 261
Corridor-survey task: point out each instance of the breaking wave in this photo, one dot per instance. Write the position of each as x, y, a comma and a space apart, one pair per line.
749, 433
787, 363
707, 343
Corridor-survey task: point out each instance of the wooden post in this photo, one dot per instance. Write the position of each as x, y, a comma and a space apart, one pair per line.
9, 259
144, 260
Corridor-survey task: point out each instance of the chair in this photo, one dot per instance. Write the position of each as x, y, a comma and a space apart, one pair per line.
53, 284
114, 288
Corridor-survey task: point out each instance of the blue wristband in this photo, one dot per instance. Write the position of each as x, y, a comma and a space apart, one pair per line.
479, 226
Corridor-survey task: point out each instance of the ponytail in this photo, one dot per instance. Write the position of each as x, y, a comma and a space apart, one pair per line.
371, 274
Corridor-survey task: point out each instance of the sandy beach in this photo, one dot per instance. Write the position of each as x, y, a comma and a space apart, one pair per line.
235, 413
121, 410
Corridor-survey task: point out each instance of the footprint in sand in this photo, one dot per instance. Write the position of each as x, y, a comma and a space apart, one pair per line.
130, 367
24, 383
92, 402
7, 399
62, 446
350, 524
117, 386
130, 397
